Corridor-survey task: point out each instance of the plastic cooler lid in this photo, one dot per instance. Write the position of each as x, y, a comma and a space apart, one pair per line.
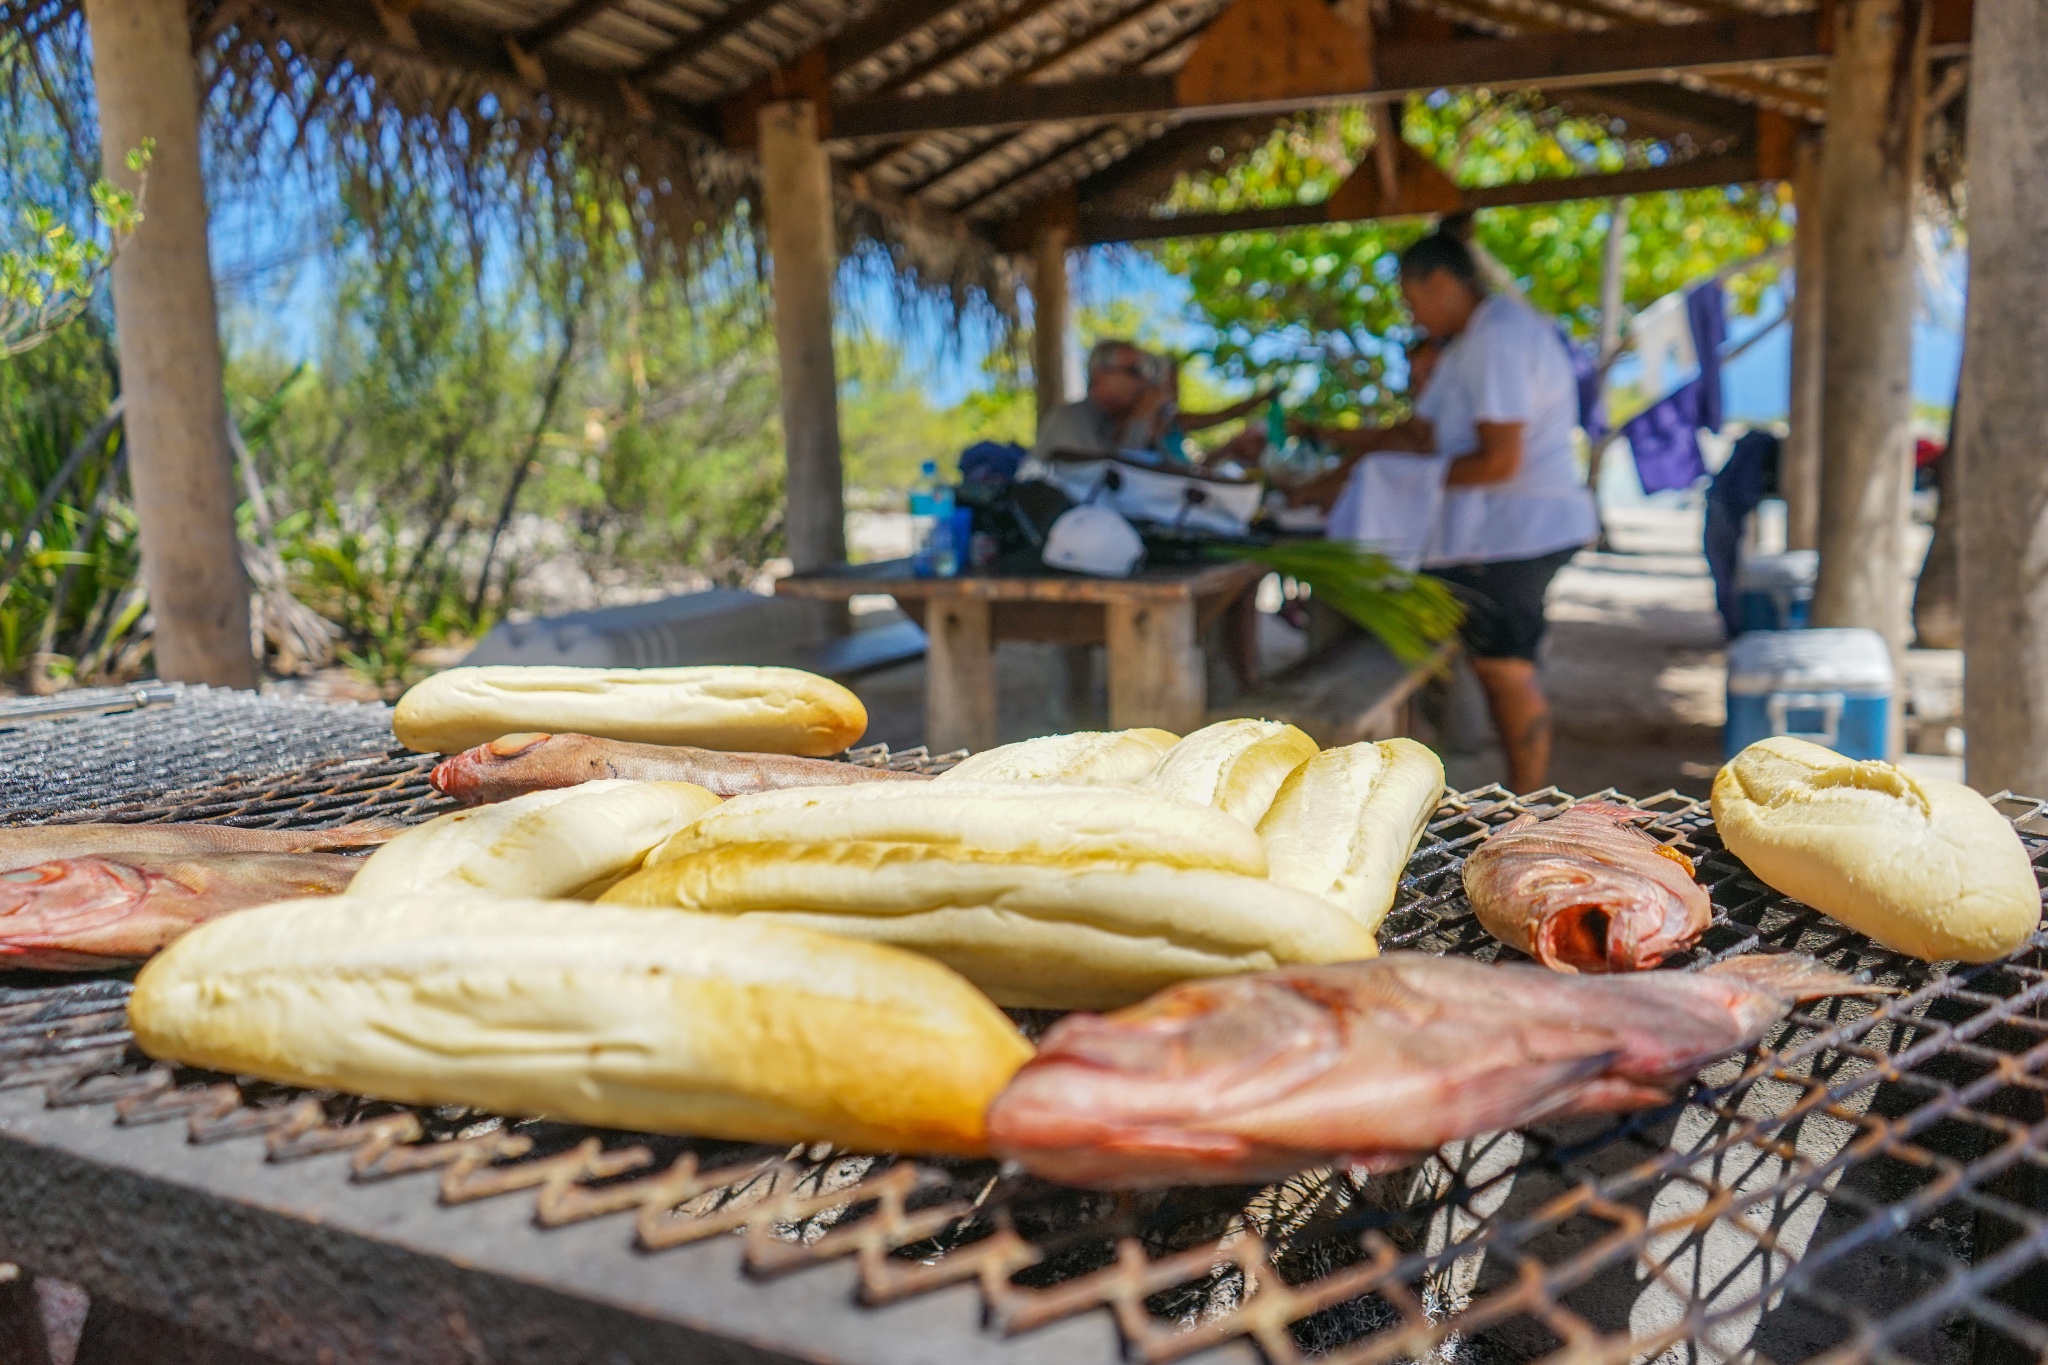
1809, 661
1792, 569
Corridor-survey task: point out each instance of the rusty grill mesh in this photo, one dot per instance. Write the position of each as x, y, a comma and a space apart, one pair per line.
1869, 1183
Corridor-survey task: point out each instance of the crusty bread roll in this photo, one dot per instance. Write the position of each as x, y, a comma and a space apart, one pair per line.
755, 710
571, 842
1344, 823
1925, 867
1044, 896
657, 1022
1089, 758
985, 822
1233, 765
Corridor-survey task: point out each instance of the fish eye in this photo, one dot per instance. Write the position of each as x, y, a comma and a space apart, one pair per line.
26, 875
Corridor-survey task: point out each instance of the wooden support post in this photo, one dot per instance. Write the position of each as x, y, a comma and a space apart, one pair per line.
1799, 472
1049, 315
960, 675
164, 315
1877, 84
1157, 675
796, 189
2004, 405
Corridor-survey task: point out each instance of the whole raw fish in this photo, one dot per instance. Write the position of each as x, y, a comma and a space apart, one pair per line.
1587, 891
78, 914
514, 765
31, 844
1251, 1078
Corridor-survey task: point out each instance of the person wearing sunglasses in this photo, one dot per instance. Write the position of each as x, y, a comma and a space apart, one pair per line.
1122, 410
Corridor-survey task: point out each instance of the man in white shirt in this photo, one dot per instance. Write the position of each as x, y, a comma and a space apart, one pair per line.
1503, 405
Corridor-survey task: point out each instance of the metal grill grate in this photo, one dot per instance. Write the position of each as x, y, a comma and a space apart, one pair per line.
1870, 1183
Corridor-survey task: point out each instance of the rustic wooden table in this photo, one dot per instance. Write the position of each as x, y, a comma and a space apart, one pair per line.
1153, 625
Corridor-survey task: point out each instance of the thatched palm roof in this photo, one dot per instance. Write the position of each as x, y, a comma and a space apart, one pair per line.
960, 123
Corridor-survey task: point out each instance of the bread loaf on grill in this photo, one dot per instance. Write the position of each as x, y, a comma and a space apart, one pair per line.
1233, 765
646, 1020
1044, 896
755, 710
1344, 823
1925, 867
1089, 758
566, 843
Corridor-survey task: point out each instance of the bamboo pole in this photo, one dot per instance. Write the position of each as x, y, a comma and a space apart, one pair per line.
1877, 85
2004, 405
796, 188
1049, 316
164, 316
1799, 475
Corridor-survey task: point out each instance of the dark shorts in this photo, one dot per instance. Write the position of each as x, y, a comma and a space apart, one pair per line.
1504, 603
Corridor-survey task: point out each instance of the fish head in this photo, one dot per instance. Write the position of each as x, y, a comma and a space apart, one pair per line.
460, 775
1150, 1083
66, 897
1594, 918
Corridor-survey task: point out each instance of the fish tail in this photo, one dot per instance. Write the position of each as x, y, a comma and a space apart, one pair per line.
1792, 976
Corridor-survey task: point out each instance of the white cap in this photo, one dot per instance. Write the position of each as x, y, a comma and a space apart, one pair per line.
1094, 539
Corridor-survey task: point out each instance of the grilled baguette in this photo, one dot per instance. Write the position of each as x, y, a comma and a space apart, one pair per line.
1344, 823
758, 710
1044, 896
1925, 867
570, 842
1233, 765
658, 1022
1090, 758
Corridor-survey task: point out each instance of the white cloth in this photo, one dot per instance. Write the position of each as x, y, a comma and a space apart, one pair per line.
1509, 365
1391, 504
1663, 339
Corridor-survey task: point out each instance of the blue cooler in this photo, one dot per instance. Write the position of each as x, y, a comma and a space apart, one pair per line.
1775, 592
1833, 687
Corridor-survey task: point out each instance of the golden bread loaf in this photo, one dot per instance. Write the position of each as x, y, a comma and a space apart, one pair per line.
1233, 765
566, 843
1925, 867
1344, 823
1089, 758
753, 710
985, 822
656, 1022
1044, 896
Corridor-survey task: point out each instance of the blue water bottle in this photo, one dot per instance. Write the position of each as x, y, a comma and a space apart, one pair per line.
931, 526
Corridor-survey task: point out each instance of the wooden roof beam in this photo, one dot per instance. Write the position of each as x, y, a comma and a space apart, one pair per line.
889, 25
1699, 173
1613, 56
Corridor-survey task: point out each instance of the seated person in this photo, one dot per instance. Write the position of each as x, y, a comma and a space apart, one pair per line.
1122, 411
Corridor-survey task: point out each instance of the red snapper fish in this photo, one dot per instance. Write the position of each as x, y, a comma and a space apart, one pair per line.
1586, 891
1372, 1064
85, 913
31, 844
514, 765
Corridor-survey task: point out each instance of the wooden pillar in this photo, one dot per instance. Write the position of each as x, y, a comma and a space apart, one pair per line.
796, 189
2004, 404
1157, 674
1049, 316
960, 675
178, 456
1799, 474
1877, 85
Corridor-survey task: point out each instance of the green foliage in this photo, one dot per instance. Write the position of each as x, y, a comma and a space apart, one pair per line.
1411, 613
1323, 303
49, 282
